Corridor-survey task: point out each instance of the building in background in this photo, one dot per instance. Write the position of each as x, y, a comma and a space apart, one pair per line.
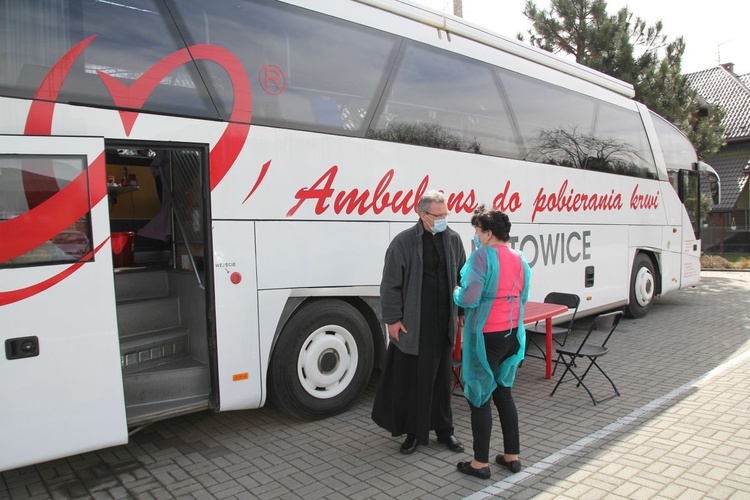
728, 228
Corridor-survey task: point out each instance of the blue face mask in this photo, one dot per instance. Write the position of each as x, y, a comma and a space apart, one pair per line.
477, 243
440, 225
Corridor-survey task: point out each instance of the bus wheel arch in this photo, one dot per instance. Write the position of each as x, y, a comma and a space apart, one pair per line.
645, 285
322, 359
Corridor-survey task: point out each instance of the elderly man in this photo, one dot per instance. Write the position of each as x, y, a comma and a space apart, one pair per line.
422, 267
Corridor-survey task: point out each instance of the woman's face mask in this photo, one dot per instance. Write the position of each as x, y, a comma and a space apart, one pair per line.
478, 242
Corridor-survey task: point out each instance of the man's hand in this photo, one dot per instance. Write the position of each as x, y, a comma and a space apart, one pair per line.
461, 320
394, 330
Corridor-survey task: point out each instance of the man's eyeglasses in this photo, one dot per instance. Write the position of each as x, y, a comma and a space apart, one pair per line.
438, 216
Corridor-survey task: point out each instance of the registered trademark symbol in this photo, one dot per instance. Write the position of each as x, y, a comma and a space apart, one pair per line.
272, 79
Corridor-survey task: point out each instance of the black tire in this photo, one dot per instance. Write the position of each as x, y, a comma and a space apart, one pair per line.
322, 360
642, 287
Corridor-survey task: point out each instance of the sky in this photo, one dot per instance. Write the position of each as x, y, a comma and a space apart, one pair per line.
718, 29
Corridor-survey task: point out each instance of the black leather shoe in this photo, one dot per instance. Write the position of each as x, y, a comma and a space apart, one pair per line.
409, 446
513, 466
452, 443
466, 468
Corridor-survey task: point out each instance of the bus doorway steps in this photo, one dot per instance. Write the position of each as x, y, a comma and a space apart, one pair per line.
148, 320
141, 283
160, 377
145, 350
142, 415
152, 257
166, 390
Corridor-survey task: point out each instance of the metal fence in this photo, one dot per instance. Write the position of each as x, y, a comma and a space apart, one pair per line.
733, 237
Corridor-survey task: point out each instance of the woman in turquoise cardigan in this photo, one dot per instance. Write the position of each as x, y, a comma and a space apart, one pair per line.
494, 288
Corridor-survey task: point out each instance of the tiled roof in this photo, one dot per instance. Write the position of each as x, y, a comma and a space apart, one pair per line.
719, 86
745, 79
729, 163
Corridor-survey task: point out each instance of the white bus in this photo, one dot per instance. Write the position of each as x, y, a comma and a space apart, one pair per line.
264, 153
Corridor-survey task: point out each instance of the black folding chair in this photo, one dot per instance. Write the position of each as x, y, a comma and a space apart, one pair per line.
457, 376
592, 348
572, 301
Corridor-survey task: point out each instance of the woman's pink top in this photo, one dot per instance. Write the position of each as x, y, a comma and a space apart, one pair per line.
509, 285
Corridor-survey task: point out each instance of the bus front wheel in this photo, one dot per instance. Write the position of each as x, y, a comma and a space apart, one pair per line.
322, 360
642, 287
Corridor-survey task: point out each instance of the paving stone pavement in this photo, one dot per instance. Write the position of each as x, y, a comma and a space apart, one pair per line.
680, 429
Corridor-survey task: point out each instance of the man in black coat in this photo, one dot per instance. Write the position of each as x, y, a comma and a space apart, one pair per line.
422, 267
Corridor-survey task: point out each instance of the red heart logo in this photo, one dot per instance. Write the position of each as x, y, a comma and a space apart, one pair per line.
44, 221
231, 142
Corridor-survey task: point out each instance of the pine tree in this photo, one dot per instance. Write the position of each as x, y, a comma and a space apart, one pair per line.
625, 47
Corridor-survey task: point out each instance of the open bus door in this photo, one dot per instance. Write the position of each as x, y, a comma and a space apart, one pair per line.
60, 375
690, 194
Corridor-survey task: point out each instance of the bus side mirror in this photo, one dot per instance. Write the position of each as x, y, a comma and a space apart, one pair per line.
714, 184
715, 192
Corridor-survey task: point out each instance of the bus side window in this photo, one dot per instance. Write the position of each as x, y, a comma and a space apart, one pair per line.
675, 146
327, 112
621, 136
443, 100
552, 121
294, 107
26, 182
125, 39
306, 69
316, 110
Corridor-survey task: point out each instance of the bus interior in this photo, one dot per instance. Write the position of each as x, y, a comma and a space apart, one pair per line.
157, 209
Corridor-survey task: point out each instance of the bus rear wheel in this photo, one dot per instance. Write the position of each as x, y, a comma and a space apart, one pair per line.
642, 287
322, 361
